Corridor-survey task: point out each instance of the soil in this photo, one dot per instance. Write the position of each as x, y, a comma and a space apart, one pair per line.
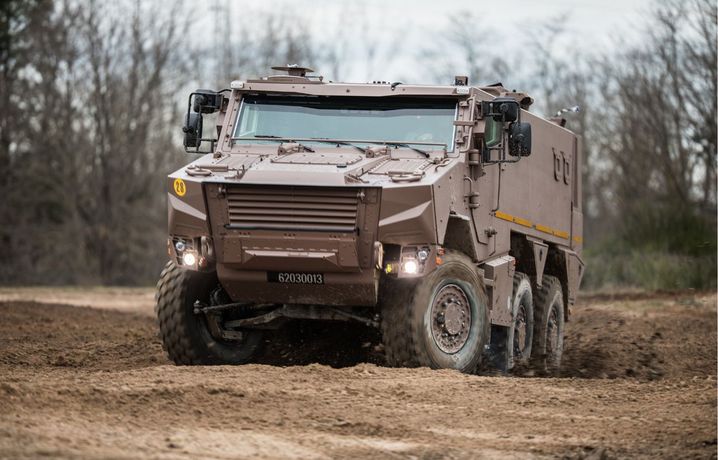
638, 381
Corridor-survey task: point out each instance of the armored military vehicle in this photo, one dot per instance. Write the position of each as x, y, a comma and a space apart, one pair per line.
447, 216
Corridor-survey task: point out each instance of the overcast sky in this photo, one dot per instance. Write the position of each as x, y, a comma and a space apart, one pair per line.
591, 24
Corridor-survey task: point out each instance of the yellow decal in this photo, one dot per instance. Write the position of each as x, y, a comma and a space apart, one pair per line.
180, 187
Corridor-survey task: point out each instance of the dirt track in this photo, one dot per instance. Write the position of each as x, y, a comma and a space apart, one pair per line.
639, 381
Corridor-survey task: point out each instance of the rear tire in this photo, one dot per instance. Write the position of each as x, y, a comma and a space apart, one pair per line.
549, 327
438, 321
520, 334
185, 335
511, 346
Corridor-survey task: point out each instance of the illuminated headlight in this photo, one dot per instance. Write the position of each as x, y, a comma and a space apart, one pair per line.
410, 267
188, 258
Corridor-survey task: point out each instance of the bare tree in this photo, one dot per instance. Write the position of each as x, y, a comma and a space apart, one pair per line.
465, 48
92, 94
94, 142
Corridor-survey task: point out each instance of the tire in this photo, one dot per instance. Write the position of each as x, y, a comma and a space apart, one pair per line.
415, 312
549, 325
184, 334
511, 346
520, 333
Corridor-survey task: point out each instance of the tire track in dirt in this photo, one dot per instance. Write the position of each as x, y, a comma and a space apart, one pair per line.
81, 382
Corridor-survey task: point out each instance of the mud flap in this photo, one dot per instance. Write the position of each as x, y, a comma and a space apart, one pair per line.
540, 253
499, 276
574, 273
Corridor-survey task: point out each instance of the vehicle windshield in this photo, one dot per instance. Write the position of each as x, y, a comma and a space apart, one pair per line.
412, 121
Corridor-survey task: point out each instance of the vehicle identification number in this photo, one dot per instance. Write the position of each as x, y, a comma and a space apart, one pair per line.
295, 278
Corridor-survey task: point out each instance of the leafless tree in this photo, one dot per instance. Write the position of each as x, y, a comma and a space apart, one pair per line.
93, 142
467, 46
92, 94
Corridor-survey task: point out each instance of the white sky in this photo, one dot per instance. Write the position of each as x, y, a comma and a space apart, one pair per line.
591, 25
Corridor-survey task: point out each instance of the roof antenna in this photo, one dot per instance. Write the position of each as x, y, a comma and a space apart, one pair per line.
574, 109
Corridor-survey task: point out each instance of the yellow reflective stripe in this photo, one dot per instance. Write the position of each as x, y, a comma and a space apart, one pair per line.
578, 239
545, 229
510, 218
524, 222
552, 231
527, 223
504, 216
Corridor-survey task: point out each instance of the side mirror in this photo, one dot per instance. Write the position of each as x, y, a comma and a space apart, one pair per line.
503, 109
202, 101
206, 101
520, 139
192, 129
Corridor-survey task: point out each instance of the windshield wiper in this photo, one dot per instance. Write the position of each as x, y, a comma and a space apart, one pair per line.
326, 140
272, 137
408, 146
352, 142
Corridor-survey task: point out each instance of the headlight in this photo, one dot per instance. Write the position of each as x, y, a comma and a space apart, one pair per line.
410, 267
194, 253
188, 258
412, 261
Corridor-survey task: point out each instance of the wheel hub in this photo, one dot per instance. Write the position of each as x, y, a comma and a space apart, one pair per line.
451, 318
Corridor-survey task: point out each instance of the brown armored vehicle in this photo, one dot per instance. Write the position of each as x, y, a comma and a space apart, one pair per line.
447, 216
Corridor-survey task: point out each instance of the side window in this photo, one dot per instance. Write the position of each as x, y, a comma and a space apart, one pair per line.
492, 133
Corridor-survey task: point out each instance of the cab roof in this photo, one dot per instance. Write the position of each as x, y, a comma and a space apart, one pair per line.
298, 82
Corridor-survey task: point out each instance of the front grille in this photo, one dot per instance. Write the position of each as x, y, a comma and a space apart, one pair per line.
293, 208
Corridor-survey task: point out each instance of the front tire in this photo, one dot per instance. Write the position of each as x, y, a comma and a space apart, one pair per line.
185, 335
439, 321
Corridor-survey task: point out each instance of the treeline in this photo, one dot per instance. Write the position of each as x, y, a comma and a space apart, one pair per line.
653, 144
87, 129
92, 96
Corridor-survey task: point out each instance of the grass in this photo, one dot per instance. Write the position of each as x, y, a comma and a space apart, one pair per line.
650, 271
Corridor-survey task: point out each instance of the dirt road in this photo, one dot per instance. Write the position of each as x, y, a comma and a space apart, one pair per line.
639, 381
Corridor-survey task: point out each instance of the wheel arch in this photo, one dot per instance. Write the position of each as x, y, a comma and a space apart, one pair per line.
460, 236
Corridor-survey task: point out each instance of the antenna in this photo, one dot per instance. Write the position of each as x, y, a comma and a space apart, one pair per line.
574, 109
